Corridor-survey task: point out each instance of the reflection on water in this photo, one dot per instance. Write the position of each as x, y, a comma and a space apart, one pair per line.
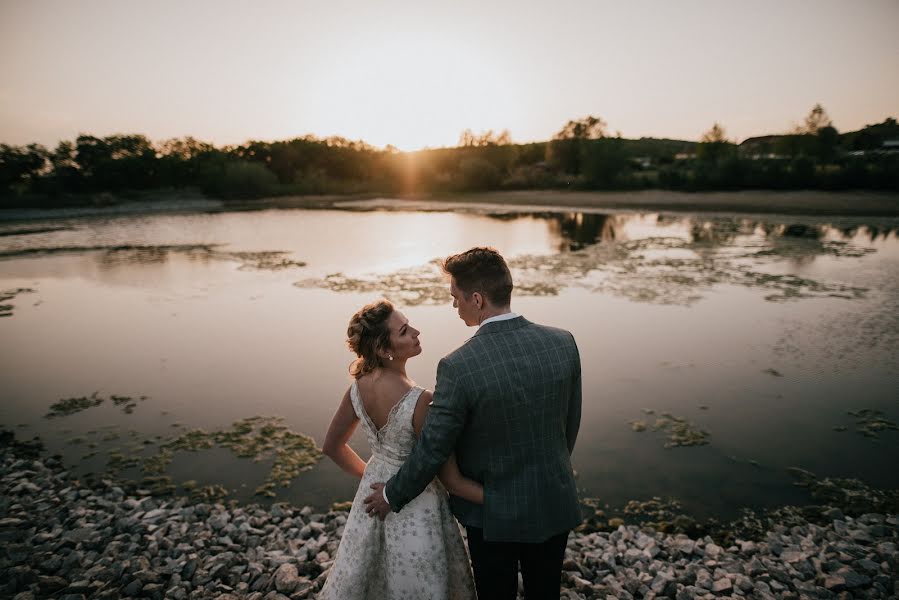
216, 318
644, 258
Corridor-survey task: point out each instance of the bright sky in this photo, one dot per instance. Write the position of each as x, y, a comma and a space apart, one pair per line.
416, 73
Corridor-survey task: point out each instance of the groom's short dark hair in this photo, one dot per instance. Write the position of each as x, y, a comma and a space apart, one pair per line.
481, 270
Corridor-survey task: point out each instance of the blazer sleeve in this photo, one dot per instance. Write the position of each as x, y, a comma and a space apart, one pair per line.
574, 403
445, 420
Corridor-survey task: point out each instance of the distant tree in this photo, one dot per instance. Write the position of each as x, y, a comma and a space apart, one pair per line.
587, 128
478, 174
566, 150
816, 119
714, 145
488, 138
604, 163
21, 164
239, 179
828, 140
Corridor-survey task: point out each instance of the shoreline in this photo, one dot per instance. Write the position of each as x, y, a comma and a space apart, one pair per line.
66, 539
811, 203
858, 203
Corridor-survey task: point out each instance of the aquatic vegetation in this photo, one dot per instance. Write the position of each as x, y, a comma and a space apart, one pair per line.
70, 406
206, 493
126, 402
33, 230
258, 438
658, 270
773, 372
264, 261
871, 423
119, 253
425, 284
6, 309
850, 495
660, 514
146, 254
680, 431
116, 462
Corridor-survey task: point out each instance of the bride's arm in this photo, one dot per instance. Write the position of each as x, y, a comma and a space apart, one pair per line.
458, 484
343, 424
450, 476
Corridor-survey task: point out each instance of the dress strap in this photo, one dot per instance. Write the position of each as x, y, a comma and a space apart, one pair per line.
409, 403
356, 401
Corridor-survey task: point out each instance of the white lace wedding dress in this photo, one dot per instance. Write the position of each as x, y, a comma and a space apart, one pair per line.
413, 554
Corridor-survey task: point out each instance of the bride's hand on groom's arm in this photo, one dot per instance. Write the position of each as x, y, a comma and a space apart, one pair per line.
376, 504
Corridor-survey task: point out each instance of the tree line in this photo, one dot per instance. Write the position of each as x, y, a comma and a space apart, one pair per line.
582, 155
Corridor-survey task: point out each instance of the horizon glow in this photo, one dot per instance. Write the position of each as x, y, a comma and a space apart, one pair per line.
415, 75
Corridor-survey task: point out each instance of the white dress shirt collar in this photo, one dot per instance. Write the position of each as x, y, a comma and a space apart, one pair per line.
502, 317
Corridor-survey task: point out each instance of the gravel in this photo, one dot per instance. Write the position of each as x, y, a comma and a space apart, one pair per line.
63, 539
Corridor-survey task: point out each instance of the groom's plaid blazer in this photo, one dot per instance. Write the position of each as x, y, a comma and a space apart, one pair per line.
508, 402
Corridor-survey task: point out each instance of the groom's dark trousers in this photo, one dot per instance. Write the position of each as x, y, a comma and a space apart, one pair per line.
495, 566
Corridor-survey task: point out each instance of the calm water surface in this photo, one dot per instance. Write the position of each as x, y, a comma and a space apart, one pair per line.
762, 331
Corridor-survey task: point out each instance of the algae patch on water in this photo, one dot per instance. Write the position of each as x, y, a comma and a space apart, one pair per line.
657, 270
70, 406
679, 431
871, 423
257, 438
6, 309
271, 260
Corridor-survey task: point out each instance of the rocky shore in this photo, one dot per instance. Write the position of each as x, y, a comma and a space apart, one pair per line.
68, 540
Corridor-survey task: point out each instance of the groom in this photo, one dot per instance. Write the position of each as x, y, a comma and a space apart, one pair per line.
508, 402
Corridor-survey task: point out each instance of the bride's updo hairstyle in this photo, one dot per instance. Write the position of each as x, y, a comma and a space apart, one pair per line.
367, 334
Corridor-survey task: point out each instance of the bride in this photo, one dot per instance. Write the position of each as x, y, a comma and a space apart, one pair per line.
417, 552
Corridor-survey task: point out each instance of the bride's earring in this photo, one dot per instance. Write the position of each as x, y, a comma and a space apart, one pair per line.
390, 357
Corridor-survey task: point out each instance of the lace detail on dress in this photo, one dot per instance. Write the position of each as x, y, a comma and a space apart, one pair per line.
395, 439
415, 553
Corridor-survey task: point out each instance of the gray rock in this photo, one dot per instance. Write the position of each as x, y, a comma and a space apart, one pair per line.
176, 593
50, 584
853, 579
834, 583
713, 550
261, 583
133, 588
286, 578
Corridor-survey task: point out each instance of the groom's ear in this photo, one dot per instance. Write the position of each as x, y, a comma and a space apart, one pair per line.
478, 299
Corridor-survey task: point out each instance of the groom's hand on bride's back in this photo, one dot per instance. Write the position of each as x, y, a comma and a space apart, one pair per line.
375, 503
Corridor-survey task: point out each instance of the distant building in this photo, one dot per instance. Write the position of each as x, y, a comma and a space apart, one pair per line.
644, 162
761, 147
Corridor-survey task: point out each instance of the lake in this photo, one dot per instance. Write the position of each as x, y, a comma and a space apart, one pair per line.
768, 342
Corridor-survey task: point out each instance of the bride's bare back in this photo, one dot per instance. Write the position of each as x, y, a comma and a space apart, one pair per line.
380, 391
